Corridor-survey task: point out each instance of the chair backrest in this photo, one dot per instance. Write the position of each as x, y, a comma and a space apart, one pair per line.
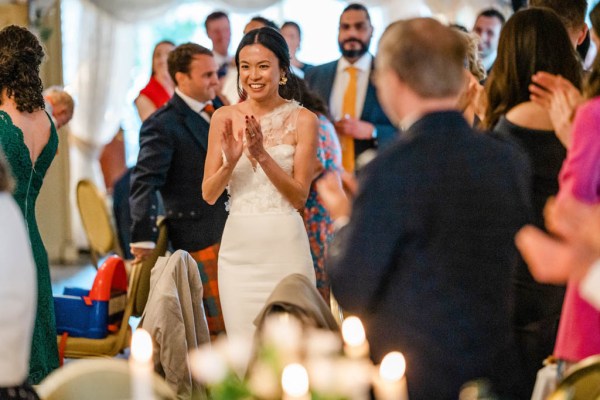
95, 218
582, 381
143, 290
96, 379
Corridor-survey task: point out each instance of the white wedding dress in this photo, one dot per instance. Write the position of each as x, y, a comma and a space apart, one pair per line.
264, 238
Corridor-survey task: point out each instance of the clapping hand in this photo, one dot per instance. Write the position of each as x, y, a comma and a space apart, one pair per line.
557, 95
254, 138
572, 248
232, 147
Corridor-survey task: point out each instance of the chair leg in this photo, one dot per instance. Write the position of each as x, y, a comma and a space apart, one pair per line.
336, 310
94, 257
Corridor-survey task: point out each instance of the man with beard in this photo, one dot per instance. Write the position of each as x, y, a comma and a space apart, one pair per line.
345, 85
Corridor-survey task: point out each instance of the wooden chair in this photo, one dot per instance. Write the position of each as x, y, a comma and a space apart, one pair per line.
96, 221
582, 381
137, 296
162, 244
336, 310
96, 380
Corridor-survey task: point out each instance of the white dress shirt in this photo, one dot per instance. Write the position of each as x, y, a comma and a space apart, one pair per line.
194, 104
221, 59
18, 294
336, 100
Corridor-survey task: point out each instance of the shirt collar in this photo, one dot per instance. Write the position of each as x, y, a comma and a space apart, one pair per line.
194, 104
363, 64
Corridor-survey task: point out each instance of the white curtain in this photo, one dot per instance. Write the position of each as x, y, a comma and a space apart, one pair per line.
247, 5
104, 59
134, 10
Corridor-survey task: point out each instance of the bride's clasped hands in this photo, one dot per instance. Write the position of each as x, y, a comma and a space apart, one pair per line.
233, 145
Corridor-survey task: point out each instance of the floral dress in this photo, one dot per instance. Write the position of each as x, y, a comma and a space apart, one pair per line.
316, 218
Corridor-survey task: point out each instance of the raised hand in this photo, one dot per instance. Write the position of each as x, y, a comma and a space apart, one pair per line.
557, 95
232, 147
254, 138
354, 127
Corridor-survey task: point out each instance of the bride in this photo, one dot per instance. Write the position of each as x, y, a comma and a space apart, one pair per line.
263, 150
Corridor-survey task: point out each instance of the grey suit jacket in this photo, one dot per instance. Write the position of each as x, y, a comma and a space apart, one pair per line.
174, 317
321, 78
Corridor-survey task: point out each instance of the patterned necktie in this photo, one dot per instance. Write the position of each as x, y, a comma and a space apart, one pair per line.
209, 109
349, 110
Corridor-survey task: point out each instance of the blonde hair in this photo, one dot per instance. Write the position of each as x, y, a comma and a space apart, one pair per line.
58, 95
473, 62
426, 55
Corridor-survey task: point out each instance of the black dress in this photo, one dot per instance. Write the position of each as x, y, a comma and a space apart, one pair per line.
537, 306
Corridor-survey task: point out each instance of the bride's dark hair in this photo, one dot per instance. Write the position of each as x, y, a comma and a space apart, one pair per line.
272, 40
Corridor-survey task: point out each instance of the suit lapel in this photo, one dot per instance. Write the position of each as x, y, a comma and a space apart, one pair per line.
196, 126
329, 78
370, 97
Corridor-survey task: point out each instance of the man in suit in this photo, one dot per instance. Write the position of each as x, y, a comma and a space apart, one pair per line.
345, 85
173, 143
488, 25
427, 255
218, 30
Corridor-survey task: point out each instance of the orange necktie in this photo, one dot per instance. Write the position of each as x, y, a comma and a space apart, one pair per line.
349, 110
209, 109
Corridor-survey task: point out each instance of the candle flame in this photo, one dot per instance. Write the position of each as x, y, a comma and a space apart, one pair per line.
141, 346
294, 380
393, 366
353, 331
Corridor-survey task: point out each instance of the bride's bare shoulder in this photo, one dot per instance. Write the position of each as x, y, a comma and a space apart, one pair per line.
230, 111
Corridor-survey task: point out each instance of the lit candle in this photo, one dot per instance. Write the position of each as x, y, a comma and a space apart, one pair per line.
141, 365
284, 332
355, 342
294, 382
390, 383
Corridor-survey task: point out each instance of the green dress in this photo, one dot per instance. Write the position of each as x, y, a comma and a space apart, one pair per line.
29, 179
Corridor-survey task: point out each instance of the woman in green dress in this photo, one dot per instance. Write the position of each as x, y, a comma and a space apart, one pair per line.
29, 141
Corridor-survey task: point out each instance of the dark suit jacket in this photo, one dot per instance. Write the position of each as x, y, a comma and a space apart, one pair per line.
427, 258
320, 79
173, 144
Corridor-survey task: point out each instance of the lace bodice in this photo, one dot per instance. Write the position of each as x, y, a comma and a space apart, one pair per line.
250, 190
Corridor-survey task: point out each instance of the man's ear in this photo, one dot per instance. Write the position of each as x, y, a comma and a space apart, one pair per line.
179, 76
582, 34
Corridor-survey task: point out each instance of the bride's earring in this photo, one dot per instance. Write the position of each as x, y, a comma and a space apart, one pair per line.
283, 80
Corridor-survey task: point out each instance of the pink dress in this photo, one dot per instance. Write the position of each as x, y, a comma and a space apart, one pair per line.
579, 329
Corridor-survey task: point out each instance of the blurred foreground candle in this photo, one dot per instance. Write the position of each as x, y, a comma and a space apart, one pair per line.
390, 383
355, 342
141, 365
294, 382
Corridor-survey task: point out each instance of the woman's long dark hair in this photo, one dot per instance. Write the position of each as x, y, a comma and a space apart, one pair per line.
532, 40
272, 40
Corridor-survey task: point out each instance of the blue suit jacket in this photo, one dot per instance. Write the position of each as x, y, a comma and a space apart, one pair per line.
428, 256
320, 79
173, 145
